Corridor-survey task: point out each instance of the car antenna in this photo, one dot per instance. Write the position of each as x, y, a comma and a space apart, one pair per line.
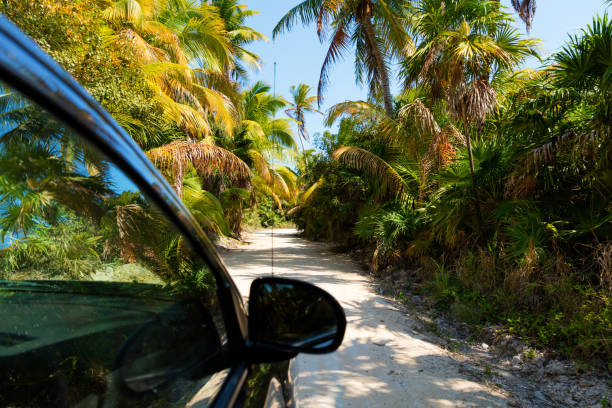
274, 118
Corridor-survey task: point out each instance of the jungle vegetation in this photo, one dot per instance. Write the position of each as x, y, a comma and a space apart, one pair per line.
491, 182
174, 74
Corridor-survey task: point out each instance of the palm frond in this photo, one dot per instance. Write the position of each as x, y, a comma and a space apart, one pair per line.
420, 114
144, 52
134, 11
338, 44
307, 12
177, 157
204, 206
360, 110
375, 167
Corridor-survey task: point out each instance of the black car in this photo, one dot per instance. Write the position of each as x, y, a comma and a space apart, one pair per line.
111, 294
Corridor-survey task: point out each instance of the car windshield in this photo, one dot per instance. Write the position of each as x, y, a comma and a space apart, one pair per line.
102, 302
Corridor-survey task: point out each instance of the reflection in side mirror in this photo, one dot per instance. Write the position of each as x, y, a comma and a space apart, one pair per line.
179, 342
294, 316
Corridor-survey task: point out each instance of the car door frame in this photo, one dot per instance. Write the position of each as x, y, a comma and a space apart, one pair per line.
28, 69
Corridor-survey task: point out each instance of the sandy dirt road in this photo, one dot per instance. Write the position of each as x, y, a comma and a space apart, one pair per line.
382, 361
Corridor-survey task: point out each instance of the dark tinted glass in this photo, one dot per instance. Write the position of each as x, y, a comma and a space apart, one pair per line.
102, 302
292, 314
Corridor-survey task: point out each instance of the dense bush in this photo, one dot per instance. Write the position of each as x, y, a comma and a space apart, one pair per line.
514, 226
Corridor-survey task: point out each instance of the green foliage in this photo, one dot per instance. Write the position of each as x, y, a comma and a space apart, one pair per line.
333, 207
388, 226
168, 72
497, 182
204, 206
68, 250
75, 36
269, 215
516, 230
443, 287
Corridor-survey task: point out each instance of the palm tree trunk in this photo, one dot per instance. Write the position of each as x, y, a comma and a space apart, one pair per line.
469, 145
378, 57
466, 126
303, 151
179, 177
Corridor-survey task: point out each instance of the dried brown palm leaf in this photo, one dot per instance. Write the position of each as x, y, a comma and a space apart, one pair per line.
427, 72
261, 165
545, 153
526, 10
577, 143
177, 157
422, 116
520, 185
523, 179
453, 135
441, 152
444, 145
473, 101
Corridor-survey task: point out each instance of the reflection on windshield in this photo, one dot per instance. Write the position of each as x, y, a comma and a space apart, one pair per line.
67, 213
96, 287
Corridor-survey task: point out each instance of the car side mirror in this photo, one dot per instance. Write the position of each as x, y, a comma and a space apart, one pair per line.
291, 316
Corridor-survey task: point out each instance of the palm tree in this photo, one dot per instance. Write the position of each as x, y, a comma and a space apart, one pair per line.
378, 29
414, 143
462, 45
186, 53
240, 35
577, 77
42, 169
299, 106
261, 138
258, 123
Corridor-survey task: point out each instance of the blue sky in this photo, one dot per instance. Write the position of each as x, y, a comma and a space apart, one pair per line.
299, 54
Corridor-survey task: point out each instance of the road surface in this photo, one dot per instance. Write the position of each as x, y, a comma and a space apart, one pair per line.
382, 361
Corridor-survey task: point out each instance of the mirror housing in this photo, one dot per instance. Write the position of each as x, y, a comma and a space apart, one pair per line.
288, 316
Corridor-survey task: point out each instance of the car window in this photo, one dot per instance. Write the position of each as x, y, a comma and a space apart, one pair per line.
102, 302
